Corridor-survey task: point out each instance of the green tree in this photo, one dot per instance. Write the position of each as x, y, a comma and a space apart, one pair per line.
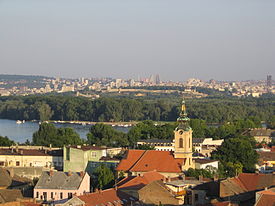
101, 134
236, 153
5, 141
48, 134
104, 177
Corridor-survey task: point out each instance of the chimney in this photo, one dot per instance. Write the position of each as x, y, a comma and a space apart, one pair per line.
216, 177
69, 173
201, 178
16, 148
96, 190
51, 172
183, 177
21, 152
82, 174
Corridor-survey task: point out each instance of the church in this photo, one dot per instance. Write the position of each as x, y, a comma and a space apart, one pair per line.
167, 163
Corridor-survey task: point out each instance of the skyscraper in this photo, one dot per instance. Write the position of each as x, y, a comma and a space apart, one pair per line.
269, 81
157, 79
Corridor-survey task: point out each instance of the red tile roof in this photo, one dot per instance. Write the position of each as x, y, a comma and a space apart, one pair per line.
267, 198
246, 182
149, 160
106, 197
140, 181
254, 181
132, 157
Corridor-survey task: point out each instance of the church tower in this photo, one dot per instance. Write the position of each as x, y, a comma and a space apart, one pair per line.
183, 139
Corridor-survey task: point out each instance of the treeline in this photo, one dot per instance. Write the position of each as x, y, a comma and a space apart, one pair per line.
69, 108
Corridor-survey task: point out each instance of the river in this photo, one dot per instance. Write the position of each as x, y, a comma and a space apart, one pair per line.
21, 132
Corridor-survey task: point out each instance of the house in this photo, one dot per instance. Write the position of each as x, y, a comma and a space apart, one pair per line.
167, 163
240, 189
266, 162
15, 156
156, 193
206, 145
260, 134
99, 198
87, 158
138, 162
131, 185
8, 180
265, 197
158, 144
206, 164
54, 185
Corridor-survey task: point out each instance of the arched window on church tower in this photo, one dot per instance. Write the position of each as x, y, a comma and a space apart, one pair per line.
180, 143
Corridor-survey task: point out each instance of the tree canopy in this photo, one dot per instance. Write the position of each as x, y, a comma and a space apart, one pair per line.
104, 177
212, 110
5, 141
48, 134
236, 154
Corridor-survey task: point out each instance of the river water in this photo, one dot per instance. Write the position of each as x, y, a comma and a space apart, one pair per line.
21, 132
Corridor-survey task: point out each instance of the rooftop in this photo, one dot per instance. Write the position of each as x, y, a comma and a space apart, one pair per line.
139, 181
86, 147
106, 198
60, 180
30, 152
150, 160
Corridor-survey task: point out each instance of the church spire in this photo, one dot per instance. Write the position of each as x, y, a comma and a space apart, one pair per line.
183, 119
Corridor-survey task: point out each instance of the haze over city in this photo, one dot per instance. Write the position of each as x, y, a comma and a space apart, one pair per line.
223, 40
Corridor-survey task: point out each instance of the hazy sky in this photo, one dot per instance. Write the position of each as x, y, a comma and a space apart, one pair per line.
178, 39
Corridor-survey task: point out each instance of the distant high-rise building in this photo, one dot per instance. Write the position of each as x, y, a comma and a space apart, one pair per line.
152, 79
157, 79
269, 81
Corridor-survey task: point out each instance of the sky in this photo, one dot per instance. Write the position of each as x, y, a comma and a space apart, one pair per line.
177, 39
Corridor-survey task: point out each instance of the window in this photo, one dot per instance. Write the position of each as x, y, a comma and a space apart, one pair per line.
70, 195
2, 163
37, 194
180, 143
196, 197
52, 195
61, 195
17, 163
45, 195
93, 154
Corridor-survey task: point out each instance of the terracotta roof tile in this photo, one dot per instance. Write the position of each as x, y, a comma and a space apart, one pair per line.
105, 197
161, 161
140, 181
132, 157
254, 181
267, 198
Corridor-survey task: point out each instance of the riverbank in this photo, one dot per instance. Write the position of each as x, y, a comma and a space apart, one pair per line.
114, 124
